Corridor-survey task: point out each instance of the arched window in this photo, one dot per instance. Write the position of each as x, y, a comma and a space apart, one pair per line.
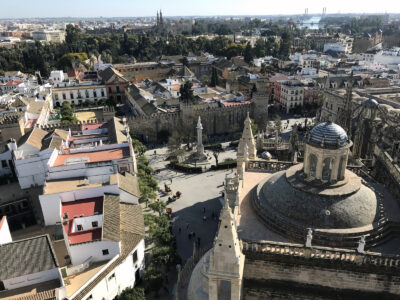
327, 168
313, 165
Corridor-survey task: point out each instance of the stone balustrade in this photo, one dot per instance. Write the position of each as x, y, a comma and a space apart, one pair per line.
263, 165
317, 254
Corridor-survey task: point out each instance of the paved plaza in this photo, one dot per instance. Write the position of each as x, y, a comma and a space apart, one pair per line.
200, 192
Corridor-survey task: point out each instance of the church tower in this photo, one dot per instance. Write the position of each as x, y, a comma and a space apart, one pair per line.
226, 264
246, 139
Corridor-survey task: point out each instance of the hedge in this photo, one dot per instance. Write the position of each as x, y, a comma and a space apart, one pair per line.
213, 147
185, 168
225, 165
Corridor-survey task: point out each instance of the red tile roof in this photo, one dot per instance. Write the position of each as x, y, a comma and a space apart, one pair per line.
94, 126
87, 208
14, 82
95, 156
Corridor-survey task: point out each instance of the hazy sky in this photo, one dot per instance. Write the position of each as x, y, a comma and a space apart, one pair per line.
127, 8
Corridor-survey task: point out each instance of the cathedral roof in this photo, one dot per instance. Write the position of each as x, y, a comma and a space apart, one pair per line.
330, 133
370, 103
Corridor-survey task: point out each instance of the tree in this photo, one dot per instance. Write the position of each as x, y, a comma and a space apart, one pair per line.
214, 78
254, 127
248, 53
277, 123
158, 206
285, 46
216, 153
73, 37
129, 293
67, 115
259, 49
153, 278
186, 93
139, 148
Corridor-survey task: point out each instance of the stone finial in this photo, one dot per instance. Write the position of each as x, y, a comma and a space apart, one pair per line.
199, 125
361, 245
309, 238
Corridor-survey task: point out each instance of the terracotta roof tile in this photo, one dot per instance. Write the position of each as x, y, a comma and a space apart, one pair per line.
129, 184
111, 218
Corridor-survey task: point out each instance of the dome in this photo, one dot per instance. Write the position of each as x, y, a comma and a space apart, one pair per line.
331, 132
370, 103
306, 209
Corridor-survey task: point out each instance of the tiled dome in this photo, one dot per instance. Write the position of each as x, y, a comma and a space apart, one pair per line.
331, 132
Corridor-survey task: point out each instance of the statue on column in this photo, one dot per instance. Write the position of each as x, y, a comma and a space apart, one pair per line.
200, 147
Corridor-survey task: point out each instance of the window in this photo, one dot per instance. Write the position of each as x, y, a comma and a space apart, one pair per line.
118, 91
135, 257
79, 227
4, 164
64, 96
56, 96
110, 90
95, 224
112, 276
105, 251
102, 93
327, 168
313, 165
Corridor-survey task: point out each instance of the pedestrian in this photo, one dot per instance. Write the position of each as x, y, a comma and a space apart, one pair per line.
204, 218
204, 210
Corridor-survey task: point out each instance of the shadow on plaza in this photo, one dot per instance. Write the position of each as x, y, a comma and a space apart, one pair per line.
190, 220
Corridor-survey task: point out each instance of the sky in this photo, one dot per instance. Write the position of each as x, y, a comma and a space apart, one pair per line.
137, 8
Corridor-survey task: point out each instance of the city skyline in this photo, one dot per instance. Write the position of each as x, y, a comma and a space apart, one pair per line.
133, 8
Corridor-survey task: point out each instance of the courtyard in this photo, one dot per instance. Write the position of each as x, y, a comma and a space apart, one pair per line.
201, 196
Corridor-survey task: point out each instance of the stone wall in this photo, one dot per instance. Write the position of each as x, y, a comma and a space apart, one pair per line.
216, 121
387, 171
337, 269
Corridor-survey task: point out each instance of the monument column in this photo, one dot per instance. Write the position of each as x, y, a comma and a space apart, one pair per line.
200, 147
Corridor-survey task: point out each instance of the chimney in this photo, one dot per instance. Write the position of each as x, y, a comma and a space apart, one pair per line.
12, 145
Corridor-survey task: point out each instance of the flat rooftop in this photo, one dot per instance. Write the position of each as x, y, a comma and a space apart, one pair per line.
90, 157
71, 184
79, 209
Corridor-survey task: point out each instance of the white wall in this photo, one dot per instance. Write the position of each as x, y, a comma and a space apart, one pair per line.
124, 276
31, 279
86, 222
5, 235
51, 203
32, 170
81, 252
